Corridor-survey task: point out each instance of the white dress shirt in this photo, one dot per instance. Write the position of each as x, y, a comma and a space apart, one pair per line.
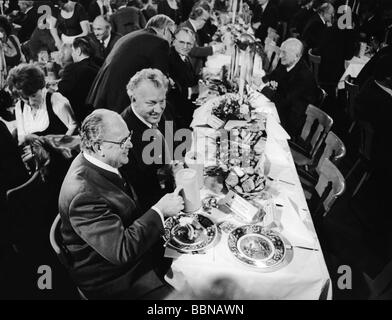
106, 41
27, 123
107, 167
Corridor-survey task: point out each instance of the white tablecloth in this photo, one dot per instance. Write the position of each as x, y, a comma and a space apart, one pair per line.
303, 278
353, 69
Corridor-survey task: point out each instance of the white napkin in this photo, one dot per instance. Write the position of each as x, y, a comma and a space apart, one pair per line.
294, 228
275, 152
275, 130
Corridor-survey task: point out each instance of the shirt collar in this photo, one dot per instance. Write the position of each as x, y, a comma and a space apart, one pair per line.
387, 90
141, 118
292, 67
106, 41
193, 26
265, 5
100, 164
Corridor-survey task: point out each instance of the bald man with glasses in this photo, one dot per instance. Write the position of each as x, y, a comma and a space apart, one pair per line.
114, 248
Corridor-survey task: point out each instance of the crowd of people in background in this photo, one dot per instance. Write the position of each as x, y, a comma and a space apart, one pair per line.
142, 60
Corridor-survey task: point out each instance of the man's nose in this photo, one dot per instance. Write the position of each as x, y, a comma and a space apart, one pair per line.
158, 107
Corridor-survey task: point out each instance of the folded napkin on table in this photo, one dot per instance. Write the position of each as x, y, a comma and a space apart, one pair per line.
275, 130
275, 152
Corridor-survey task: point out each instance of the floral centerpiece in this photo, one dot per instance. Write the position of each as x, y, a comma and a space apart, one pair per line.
232, 107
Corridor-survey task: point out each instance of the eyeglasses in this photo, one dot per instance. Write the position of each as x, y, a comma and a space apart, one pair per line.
123, 142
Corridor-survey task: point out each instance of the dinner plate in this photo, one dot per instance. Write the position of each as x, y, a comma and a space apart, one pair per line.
260, 248
189, 233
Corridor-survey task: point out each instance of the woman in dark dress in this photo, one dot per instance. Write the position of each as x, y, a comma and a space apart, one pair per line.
9, 44
70, 22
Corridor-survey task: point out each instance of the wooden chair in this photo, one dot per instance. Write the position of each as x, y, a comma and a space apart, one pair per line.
314, 63
323, 96
352, 91
60, 250
330, 186
334, 150
314, 132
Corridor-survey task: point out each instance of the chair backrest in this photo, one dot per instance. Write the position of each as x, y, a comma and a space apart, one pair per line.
330, 185
316, 128
352, 91
334, 150
314, 63
57, 243
323, 96
60, 250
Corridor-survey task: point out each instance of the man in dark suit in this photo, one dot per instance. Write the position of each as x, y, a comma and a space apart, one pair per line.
199, 53
103, 38
127, 19
368, 70
182, 73
147, 170
28, 21
147, 48
373, 107
291, 86
317, 25
265, 15
114, 247
78, 77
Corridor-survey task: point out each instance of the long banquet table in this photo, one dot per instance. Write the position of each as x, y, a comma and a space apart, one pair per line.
304, 277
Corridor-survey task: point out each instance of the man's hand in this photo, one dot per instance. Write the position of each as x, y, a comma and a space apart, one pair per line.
170, 204
273, 85
27, 154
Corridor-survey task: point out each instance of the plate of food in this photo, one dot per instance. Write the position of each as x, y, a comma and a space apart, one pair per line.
189, 233
259, 247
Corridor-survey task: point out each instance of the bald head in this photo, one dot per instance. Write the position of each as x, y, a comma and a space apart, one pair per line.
101, 28
105, 136
97, 126
291, 52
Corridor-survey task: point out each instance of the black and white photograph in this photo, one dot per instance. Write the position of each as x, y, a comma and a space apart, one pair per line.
215, 151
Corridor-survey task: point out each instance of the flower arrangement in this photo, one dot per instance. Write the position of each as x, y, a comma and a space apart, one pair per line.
232, 107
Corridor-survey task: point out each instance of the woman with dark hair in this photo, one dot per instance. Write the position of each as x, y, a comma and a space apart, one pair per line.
70, 22
9, 44
37, 110
172, 9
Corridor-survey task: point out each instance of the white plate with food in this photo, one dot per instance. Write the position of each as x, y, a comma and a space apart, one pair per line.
190, 233
260, 248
